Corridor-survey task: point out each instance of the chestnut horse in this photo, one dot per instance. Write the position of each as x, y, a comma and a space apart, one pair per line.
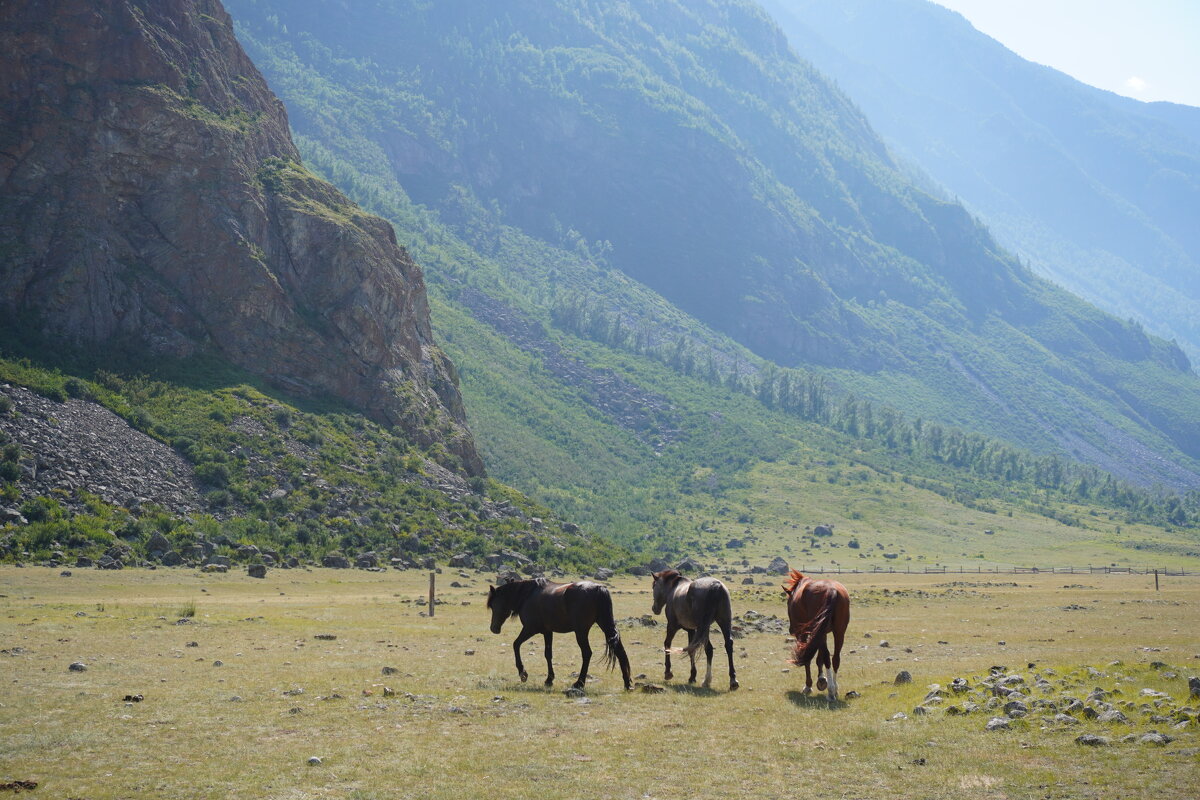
548, 608
695, 606
817, 608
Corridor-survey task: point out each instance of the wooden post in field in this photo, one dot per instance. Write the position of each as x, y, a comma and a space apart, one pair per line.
432, 599
1156, 580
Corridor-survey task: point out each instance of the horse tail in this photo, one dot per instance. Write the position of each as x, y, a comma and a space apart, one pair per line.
613, 648
810, 635
713, 603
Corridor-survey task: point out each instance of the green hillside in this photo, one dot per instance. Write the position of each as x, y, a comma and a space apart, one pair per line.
689, 149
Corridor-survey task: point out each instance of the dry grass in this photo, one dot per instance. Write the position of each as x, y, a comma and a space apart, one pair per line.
461, 725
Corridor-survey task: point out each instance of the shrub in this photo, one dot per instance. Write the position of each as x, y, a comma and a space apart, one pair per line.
213, 474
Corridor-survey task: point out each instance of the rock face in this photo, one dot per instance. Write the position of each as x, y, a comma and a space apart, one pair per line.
151, 196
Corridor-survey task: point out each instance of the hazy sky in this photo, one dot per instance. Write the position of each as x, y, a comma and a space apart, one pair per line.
1148, 49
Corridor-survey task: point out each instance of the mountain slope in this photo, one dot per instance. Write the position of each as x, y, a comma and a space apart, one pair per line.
689, 148
150, 194
1097, 191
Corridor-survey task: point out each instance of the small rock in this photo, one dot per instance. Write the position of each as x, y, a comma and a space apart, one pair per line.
573, 692
899, 715
651, 688
389, 671
903, 676
1092, 740
325, 637
998, 724
313, 761
1155, 738
78, 666
218, 663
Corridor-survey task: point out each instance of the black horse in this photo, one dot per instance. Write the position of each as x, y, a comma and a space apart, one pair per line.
548, 608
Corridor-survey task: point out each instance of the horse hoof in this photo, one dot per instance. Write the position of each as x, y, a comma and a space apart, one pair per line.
668, 676
733, 686
524, 677
822, 683
549, 682
807, 690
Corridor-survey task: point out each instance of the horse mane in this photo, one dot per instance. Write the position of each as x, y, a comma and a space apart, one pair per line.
792, 582
515, 593
668, 575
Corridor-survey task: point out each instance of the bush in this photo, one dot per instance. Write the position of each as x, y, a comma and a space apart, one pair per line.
213, 474
6, 404
56, 394
10, 471
42, 509
78, 389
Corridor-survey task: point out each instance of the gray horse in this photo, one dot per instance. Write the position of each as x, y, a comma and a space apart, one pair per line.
695, 606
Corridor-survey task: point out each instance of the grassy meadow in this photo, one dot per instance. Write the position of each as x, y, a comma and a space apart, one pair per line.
453, 721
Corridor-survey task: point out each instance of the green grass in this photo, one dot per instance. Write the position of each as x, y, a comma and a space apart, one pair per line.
461, 720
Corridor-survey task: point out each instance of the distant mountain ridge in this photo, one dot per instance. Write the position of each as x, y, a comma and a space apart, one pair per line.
151, 196
688, 147
1098, 191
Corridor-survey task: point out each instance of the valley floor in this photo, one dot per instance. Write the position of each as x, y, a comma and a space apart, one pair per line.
241, 693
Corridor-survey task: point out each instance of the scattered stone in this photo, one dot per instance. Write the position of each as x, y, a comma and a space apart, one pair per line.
651, 688
604, 574
77, 666
257, 570
574, 692
885, 643
389, 671
314, 761
218, 663
998, 724
899, 715
237, 698
1113, 716
1194, 687
1092, 740
18, 786
469, 652
66, 573
850, 695
903, 676
920, 711
134, 698
1155, 738
325, 637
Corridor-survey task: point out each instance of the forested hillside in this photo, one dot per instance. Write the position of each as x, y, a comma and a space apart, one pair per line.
1099, 192
605, 399
690, 149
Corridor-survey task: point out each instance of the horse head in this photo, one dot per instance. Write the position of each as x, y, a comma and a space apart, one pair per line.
499, 608
664, 582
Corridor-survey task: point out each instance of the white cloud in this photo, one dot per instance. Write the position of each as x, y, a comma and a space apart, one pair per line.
1136, 85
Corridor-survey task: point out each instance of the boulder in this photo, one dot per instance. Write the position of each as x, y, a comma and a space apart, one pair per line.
157, 543
823, 530
777, 566
604, 574
462, 560
257, 570
902, 677
171, 558
689, 564
335, 561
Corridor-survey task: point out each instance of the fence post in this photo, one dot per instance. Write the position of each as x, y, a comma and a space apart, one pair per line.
1156, 580
432, 599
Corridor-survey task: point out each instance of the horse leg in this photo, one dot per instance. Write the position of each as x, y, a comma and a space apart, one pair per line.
807, 679
522, 637
838, 637
671, 631
549, 637
691, 654
727, 633
822, 664
585, 650
708, 652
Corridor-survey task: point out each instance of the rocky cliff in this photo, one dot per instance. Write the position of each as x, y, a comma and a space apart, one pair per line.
151, 196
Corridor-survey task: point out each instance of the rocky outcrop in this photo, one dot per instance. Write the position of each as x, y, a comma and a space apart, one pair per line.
151, 196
